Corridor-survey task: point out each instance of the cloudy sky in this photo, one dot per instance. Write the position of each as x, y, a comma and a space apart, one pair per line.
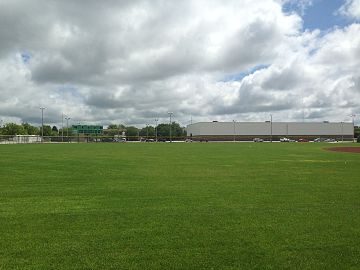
131, 61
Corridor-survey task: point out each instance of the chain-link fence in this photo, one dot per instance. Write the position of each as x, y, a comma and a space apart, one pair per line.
28, 139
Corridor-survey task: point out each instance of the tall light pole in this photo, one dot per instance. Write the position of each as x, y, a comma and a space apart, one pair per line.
62, 127
342, 131
156, 121
67, 127
147, 131
1, 122
42, 123
170, 115
271, 129
234, 130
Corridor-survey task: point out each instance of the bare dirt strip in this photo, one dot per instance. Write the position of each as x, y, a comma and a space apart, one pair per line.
345, 149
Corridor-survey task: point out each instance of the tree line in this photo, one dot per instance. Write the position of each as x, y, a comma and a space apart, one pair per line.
163, 130
27, 129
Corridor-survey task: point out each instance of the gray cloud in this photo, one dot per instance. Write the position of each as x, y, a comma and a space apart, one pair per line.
132, 61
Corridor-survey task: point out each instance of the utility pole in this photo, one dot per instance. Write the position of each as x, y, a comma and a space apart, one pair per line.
234, 130
271, 128
67, 127
170, 115
42, 123
62, 127
156, 121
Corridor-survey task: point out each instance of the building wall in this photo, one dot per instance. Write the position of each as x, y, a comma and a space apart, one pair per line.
264, 129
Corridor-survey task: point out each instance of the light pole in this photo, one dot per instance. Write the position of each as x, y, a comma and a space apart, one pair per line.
271, 129
170, 115
147, 131
67, 127
234, 130
1, 122
62, 127
342, 132
156, 121
42, 123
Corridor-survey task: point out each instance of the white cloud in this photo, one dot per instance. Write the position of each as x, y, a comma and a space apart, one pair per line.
351, 9
132, 61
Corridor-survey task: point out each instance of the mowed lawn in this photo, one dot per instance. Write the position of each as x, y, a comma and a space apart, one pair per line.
179, 206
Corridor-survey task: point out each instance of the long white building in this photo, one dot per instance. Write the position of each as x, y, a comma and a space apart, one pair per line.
274, 130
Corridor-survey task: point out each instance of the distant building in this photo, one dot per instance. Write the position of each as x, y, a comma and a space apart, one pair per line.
87, 129
269, 130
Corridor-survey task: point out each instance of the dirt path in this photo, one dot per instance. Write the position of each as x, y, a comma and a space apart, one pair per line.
345, 149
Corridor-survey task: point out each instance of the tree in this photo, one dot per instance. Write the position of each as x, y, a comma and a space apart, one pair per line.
114, 130
357, 131
47, 130
176, 130
66, 131
55, 130
148, 131
30, 130
132, 132
163, 130
13, 129
112, 126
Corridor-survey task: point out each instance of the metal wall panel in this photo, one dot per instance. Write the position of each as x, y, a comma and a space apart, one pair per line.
264, 128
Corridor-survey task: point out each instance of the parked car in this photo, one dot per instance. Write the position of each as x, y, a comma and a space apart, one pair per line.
120, 140
258, 140
284, 140
324, 140
303, 140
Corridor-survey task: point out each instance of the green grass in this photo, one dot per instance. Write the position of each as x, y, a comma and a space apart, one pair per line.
179, 206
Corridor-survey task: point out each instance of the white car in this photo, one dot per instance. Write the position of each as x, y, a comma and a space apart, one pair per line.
258, 140
284, 140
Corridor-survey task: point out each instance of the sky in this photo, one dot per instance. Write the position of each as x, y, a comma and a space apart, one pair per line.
131, 61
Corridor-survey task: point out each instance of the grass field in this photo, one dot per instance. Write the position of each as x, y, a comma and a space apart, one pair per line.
179, 206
